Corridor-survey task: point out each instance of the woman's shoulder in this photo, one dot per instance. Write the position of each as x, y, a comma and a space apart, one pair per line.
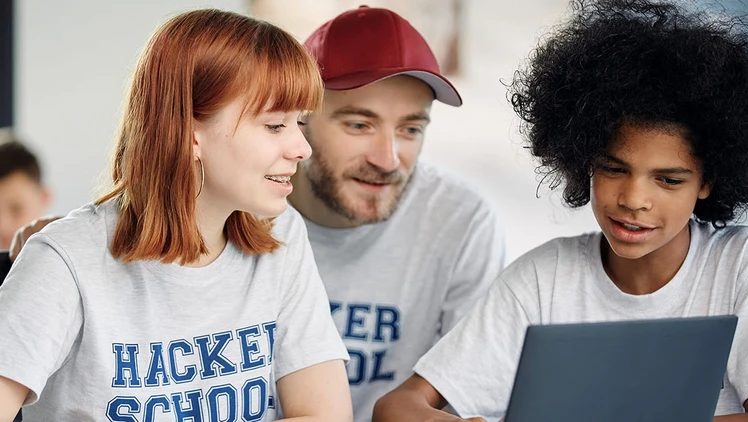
289, 226
87, 225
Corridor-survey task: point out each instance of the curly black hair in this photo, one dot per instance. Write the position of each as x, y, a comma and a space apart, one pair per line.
616, 61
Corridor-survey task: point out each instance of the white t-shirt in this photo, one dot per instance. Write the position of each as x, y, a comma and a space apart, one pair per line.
563, 281
395, 287
97, 339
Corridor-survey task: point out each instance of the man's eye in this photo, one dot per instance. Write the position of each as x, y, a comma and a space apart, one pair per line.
356, 125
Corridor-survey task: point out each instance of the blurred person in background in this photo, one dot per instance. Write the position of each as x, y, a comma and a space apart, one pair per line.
23, 196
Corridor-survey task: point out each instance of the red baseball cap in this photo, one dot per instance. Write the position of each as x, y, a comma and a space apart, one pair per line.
365, 45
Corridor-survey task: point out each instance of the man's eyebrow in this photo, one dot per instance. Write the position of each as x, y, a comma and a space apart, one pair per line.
350, 110
417, 116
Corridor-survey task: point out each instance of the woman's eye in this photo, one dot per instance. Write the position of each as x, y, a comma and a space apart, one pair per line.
275, 128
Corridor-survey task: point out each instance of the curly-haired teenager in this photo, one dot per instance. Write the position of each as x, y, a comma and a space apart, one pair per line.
639, 109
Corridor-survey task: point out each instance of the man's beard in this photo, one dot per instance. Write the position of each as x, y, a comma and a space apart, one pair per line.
329, 189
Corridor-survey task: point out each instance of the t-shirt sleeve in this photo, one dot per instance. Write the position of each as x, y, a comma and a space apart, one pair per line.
306, 333
737, 364
482, 257
473, 365
40, 315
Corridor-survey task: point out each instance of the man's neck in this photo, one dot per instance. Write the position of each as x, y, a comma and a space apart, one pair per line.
302, 198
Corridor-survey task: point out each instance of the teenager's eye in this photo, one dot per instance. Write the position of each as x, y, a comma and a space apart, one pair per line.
671, 182
613, 170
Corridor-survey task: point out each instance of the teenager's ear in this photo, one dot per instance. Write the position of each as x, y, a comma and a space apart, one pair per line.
705, 190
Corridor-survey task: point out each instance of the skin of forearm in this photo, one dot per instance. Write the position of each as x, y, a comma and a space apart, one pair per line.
743, 417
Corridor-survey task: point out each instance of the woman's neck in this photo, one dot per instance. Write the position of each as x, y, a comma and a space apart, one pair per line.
210, 223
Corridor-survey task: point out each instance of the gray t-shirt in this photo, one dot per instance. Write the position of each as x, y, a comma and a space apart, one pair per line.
563, 281
97, 339
395, 287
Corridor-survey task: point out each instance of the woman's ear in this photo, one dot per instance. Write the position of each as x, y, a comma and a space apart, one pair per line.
197, 140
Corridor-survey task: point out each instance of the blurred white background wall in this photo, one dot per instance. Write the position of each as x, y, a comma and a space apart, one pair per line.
74, 57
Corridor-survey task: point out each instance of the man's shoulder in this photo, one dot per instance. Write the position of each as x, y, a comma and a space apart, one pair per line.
451, 191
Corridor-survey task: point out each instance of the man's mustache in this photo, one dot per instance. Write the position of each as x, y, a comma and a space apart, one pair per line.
371, 174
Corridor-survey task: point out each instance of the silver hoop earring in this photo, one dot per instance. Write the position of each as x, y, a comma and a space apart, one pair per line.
202, 176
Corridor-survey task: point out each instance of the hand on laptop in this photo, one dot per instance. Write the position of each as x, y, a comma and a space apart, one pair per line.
23, 234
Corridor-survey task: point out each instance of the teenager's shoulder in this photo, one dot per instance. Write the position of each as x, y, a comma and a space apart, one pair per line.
733, 235
556, 255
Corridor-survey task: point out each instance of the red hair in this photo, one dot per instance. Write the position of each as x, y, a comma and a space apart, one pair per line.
195, 64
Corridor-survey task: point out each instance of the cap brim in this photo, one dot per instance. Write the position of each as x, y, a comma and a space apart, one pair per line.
443, 89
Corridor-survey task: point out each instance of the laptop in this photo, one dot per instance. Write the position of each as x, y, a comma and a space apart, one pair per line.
628, 371
4, 265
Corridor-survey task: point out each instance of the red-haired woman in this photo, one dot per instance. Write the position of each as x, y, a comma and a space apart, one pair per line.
176, 296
